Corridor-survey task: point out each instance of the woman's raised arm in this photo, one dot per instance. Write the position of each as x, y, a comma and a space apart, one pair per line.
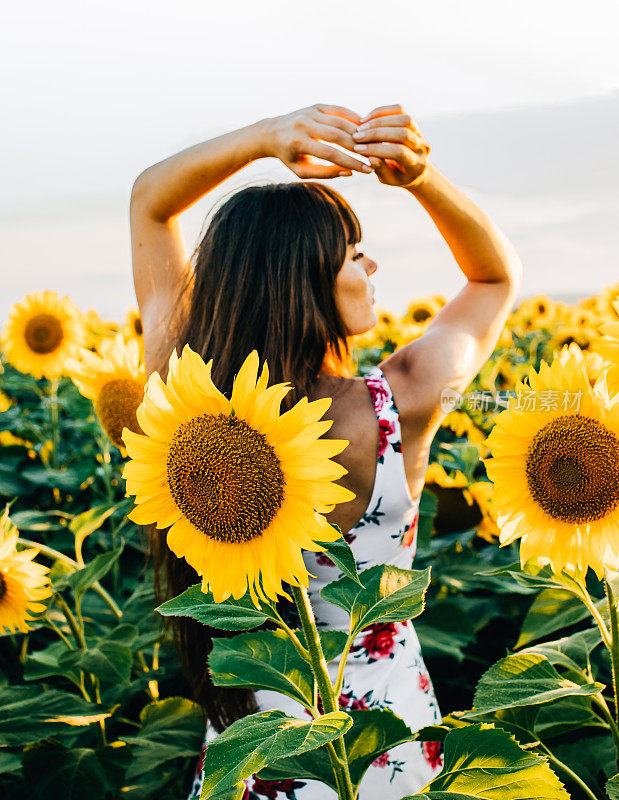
163, 191
462, 336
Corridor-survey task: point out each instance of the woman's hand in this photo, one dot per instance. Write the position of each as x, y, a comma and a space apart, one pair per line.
294, 139
392, 142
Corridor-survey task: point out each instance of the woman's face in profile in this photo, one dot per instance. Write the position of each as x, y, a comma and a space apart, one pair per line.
354, 294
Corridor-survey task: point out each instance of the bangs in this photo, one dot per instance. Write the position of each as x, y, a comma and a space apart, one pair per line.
344, 215
351, 222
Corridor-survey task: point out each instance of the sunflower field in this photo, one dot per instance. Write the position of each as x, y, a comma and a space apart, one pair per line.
513, 591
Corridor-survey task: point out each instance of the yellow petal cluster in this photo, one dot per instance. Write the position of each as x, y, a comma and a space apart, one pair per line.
555, 468
114, 379
608, 348
242, 488
42, 331
23, 583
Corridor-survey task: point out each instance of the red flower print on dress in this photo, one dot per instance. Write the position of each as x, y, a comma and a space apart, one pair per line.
271, 789
409, 534
349, 701
200, 766
379, 640
378, 392
432, 753
424, 682
323, 558
381, 761
386, 428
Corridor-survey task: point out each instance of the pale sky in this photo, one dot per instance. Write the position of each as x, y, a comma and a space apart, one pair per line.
92, 95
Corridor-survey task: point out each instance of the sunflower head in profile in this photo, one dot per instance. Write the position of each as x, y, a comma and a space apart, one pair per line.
536, 312
555, 468
241, 487
133, 324
97, 330
423, 308
607, 346
42, 331
23, 583
114, 380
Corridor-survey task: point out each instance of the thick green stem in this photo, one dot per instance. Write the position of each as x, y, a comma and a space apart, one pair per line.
586, 599
55, 422
337, 753
108, 472
340, 670
58, 632
72, 622
293, 638
599, 700
614, 640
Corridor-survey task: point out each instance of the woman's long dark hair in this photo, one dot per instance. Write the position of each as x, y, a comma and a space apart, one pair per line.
263, 279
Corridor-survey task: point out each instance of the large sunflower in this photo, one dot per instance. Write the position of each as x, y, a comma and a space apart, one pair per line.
23, 584
555, 468
41, 332
242, 487
114, 380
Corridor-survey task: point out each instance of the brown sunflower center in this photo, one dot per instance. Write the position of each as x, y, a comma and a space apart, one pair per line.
116, 406
137, 324
572, 468
225, 477
420, 314
2, 586
44, 333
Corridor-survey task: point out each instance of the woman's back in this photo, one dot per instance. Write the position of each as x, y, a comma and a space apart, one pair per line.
355, 419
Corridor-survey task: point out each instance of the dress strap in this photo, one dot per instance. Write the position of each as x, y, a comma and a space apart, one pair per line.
390, 484
389, 429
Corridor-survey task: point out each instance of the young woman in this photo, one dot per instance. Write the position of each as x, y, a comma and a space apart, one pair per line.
279, 270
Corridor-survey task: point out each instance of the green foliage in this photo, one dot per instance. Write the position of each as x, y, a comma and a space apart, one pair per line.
250, 744
388, 594
482, 762
231, 615
51, 737
524, 679
373, 732
109, 714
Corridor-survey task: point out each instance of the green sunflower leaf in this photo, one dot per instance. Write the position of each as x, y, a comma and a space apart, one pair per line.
374, 731
83, 579
552, 610
262, 660
230, 615
109, 660
268, 660
612, 787
389, 594
29, 715
342, 556
523, 679
55, 772
485, 762
171, 728
249, 744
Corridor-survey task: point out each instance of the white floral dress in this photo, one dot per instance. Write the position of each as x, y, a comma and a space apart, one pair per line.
385, 668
